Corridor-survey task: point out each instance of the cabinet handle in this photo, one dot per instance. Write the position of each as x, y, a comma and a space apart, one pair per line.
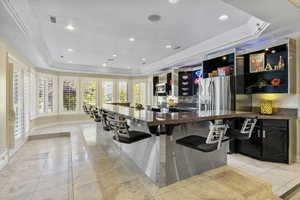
258, 133
264, 134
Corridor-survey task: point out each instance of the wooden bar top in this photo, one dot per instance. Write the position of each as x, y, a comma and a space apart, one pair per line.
159, 118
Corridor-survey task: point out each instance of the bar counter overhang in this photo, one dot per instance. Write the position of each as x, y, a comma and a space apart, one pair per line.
160, 157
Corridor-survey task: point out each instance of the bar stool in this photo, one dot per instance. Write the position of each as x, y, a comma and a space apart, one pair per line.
212, 142
122, 133
105, 124
96, 115
245, 132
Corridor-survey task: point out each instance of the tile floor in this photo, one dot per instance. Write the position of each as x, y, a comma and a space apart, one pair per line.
283, 177
79, 168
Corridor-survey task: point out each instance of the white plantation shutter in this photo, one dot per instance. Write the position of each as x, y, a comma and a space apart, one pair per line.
89, 92
50, 95
123, 92
70, 96
27, 100
107, 91
41, 95
33, 92
45, 94
18, 100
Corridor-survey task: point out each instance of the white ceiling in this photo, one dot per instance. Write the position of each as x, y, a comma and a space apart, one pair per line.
103, 27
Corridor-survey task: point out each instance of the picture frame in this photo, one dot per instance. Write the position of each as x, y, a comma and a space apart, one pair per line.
257, 62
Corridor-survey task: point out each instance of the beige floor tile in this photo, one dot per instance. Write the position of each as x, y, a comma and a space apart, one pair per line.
54, 193
91, 191
17, 189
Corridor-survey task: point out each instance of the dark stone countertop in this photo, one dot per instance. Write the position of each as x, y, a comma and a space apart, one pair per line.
158, 118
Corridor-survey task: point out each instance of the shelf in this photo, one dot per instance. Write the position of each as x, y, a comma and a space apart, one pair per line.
268, 89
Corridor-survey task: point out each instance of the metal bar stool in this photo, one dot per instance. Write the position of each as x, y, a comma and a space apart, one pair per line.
122, 133
212, 142
245, 132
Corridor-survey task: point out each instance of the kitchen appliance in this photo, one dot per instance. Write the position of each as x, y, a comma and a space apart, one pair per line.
216, 93
161, 89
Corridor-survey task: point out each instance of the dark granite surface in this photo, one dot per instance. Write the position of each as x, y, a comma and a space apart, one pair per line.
158, 118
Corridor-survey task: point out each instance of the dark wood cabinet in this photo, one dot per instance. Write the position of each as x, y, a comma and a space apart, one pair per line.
155, 82
185, 85
275, 140
269, 141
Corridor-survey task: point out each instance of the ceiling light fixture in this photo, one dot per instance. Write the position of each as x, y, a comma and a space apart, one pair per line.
104, 65
144, 59
70, 61
114, 55
70, 27
223, 17
131, 39
168, 46
129, 67
174, 1
70, 50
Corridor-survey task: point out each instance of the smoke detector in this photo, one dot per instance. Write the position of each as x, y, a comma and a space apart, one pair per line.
295, 2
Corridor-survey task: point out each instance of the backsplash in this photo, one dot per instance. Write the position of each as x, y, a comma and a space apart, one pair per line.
278, 100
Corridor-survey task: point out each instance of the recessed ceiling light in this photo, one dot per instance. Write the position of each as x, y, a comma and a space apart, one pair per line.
168, 46
144, 59
104, 65
273, 51
114, 55
70, 27
267, 49
173, 1
70, 50
223, 17
131, 39
70, 61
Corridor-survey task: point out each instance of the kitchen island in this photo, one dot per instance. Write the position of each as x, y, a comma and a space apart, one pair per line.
160, 157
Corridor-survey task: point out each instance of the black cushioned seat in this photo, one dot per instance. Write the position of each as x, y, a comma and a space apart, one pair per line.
198, 143
135, 136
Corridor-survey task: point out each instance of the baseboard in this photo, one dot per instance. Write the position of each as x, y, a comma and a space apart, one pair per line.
48, 135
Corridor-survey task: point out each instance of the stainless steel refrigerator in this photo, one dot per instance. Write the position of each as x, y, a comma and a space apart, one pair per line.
217, 93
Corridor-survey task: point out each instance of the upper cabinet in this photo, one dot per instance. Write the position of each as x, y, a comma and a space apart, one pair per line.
220, 66
270, 70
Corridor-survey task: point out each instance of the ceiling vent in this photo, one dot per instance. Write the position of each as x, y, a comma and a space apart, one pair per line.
53, 19
295, 2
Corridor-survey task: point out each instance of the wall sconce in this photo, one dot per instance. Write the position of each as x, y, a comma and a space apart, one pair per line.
266, 108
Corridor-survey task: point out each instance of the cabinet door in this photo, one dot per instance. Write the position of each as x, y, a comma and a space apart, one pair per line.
275, 144
253, 146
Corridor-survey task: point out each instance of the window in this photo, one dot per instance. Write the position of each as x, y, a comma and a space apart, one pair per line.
45, 95
123, 94
69, 95
107, 91
139, 91
18, 101
89, 92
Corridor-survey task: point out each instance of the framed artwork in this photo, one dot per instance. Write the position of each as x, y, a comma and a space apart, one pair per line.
257, 62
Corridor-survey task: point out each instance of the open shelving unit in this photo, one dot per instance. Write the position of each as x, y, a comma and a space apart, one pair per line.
260, 82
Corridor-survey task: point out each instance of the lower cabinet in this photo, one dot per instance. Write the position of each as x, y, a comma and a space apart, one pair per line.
269, 141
